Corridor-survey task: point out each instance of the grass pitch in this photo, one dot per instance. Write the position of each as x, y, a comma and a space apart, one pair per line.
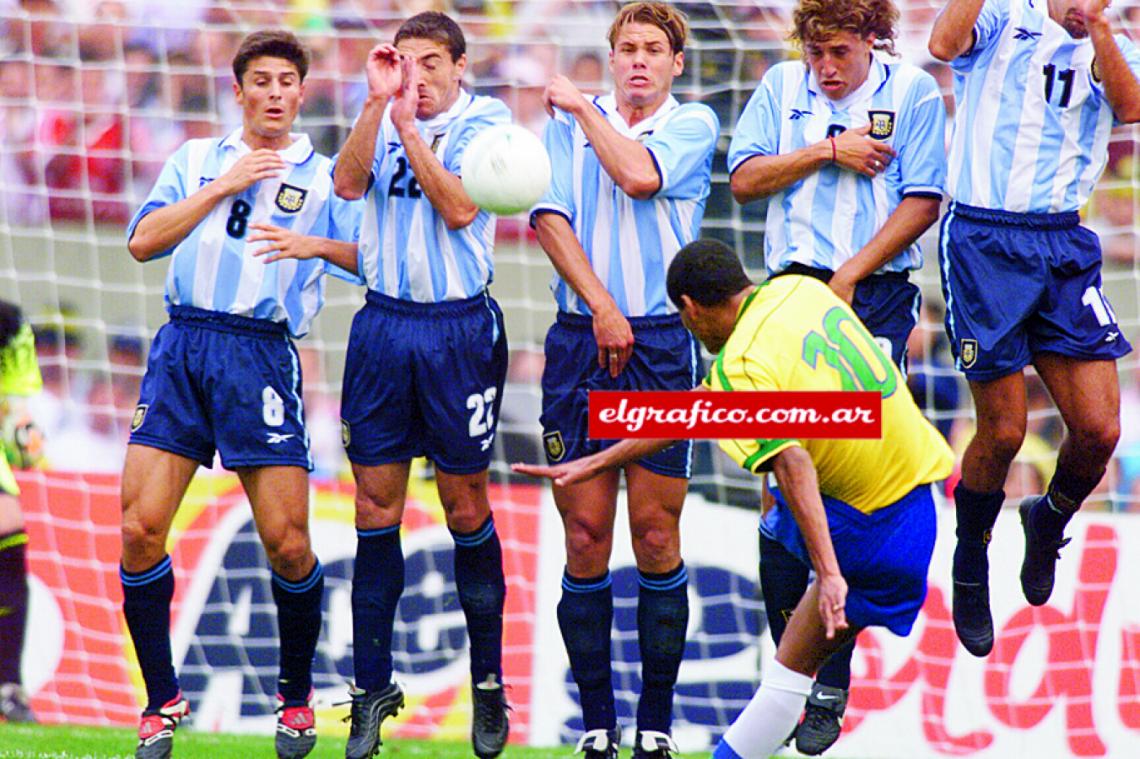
69, 742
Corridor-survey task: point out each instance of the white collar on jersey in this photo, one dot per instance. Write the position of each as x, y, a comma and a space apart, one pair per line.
296, 154
608, 106
876, 75
439, 122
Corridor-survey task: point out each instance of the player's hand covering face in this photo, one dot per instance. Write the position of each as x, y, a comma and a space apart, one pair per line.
644, 65
383, 71
270, 95
437, 76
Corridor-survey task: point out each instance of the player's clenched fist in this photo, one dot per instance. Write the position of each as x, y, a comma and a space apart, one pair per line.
252, 167
562, 93
856, 151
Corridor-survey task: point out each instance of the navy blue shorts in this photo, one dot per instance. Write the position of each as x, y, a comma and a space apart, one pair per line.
424, 379
665, 357
887, 304
884, 556
1021, 284
216, 380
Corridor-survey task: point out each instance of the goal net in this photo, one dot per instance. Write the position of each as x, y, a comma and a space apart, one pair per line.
94, 96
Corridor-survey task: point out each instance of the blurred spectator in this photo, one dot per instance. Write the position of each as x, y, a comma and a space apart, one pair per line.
1111, 213
59, 350
588, 72
22, 201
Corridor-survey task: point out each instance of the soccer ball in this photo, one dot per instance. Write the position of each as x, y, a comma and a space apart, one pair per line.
505, 169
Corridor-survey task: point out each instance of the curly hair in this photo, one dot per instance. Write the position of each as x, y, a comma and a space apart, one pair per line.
815, 20
665, 17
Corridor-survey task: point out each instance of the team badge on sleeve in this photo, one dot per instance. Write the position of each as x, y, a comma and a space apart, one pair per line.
882, 124
139, 417
969, 352
555, 448
290, 198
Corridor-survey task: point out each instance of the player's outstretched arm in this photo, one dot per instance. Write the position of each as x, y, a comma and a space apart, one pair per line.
354, 164
910, 219
854, 150
799, 484
284, 243
612, 332
1121, 87
444, 190
627, 161
163, 228
953, 32
580, 470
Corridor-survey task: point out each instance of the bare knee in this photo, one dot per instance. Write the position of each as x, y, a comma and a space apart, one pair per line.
999, 438
376, 510
144, 543
465, 504
1096, 440
587, 546
656, 545
289, 553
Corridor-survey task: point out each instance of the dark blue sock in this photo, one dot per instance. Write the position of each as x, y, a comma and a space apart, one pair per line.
298, 628
13, 603
377, 583
783, 581
1065, 496
146, 605
482, 592
585, 616
976, 513
662, 618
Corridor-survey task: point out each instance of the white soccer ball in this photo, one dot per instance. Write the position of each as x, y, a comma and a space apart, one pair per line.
505, 169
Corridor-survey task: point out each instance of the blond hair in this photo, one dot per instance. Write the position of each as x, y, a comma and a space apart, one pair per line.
665, 17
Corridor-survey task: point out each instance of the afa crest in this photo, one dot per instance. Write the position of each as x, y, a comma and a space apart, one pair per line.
968, 352
290, 198
345, 433
1095, 71
139, 417
882, 124
555, 448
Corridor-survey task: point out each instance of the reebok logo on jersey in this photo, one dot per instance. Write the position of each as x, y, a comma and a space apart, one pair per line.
1021, 33
290, 199
798, 114
278, 437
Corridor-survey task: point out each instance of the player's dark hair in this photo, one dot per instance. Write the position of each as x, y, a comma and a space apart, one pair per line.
665, 17
708, 271
271, 43
437, 27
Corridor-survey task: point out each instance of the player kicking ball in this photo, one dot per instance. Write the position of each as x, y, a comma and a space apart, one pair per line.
224, 375
858, 512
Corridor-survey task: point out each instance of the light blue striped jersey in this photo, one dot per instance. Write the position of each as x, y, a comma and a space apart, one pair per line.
1032, 123
406, 250
630, 243
213, 267
828, 216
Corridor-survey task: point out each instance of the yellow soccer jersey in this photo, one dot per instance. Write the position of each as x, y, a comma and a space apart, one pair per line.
793, 333
19, 372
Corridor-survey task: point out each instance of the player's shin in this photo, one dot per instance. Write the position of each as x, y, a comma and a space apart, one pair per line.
662, 618
482, 591
764, 724
377, 583
585, 616
146, 606
299, 627
13, 603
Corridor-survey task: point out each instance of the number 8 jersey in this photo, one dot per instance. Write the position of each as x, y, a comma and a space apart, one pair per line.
1032, 123
793, 333
406, 250
214, 269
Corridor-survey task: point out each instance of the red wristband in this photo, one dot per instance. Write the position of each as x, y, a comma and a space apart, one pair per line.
834, 154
